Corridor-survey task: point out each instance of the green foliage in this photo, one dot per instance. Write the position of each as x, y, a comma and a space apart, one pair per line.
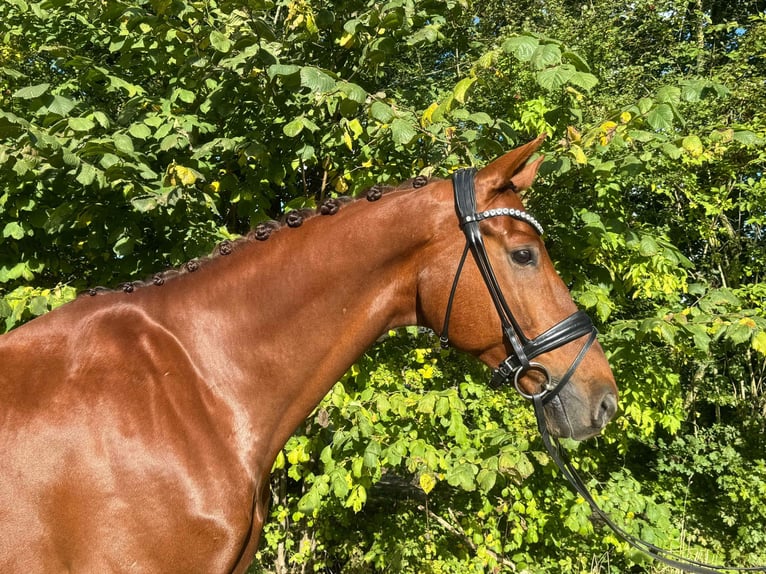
136, 133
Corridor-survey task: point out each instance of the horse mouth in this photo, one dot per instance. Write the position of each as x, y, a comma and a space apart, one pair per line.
563, 422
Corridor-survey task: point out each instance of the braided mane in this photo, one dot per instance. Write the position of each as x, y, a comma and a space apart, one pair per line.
261, 232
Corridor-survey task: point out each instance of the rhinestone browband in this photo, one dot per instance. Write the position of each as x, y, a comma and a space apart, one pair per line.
511, 212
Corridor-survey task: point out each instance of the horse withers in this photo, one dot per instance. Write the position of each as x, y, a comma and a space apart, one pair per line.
139, 427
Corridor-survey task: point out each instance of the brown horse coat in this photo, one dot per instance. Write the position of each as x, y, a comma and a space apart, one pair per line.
137, 430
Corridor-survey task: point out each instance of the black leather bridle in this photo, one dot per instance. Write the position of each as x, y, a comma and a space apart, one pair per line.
523, 350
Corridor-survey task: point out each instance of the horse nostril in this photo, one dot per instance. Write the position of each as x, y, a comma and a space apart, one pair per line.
606, 410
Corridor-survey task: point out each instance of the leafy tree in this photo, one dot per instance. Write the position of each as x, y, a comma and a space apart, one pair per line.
134, 134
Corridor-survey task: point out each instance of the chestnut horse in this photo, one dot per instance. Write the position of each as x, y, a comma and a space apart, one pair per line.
139, 426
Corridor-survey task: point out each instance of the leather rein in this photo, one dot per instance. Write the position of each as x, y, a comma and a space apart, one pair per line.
524, 349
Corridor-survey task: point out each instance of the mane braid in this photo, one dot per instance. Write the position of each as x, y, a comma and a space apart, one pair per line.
261, 232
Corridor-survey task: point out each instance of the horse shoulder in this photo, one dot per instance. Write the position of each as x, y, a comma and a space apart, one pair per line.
109, 424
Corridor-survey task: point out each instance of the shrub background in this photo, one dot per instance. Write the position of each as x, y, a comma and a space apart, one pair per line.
134, 134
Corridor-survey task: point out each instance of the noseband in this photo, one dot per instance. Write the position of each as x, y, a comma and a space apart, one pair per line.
523, 349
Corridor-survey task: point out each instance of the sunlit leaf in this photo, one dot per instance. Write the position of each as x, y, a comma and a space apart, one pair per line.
60, 105
545, 55
316, 80
81, 124
29, 92
759, 342
427, 482
660, 117
381, 112
556, 77
462, 87
219, 41
402, 131
523, 47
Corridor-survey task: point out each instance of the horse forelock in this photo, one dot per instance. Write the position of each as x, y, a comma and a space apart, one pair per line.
261, 232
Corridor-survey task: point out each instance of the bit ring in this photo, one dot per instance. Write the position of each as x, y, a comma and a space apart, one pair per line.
533, 366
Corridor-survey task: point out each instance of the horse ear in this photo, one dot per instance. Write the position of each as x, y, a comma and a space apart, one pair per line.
511, 170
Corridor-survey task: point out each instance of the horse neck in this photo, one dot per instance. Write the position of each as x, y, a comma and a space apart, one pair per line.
280, 321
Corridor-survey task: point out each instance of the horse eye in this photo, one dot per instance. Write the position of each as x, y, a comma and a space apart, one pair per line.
523, 256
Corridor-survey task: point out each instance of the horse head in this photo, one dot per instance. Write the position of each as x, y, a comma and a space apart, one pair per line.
505, 303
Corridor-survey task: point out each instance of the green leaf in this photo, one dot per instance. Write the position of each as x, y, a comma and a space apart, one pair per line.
169, 142
739, 332
23, 166
283, 70
428, 34
427, 403
38, 305
14, 230
576, 60
11, 73
481, 118
486, 479
340, 484
522, 47
102, 119
672, 151
60, 105
402, 131
759, 342
700, 336
70, 158
583, 80
81, 124
648, 247
660, 117
316, 80
5, 308
124, 246
669, 94
140, 131
462, 475
546, 55
293, 128
555, 78
87, 174
353, 91
30, 92
183, 95
144, 204
108, 160
219, 41
645, 105
693, 145
691, 91
123, 143
381, 111
667, 332
747, 138
372, 456
357, 498
642, 136
309, 501
462, 87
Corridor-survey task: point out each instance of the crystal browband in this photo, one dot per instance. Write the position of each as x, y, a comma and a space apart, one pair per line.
511, 212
